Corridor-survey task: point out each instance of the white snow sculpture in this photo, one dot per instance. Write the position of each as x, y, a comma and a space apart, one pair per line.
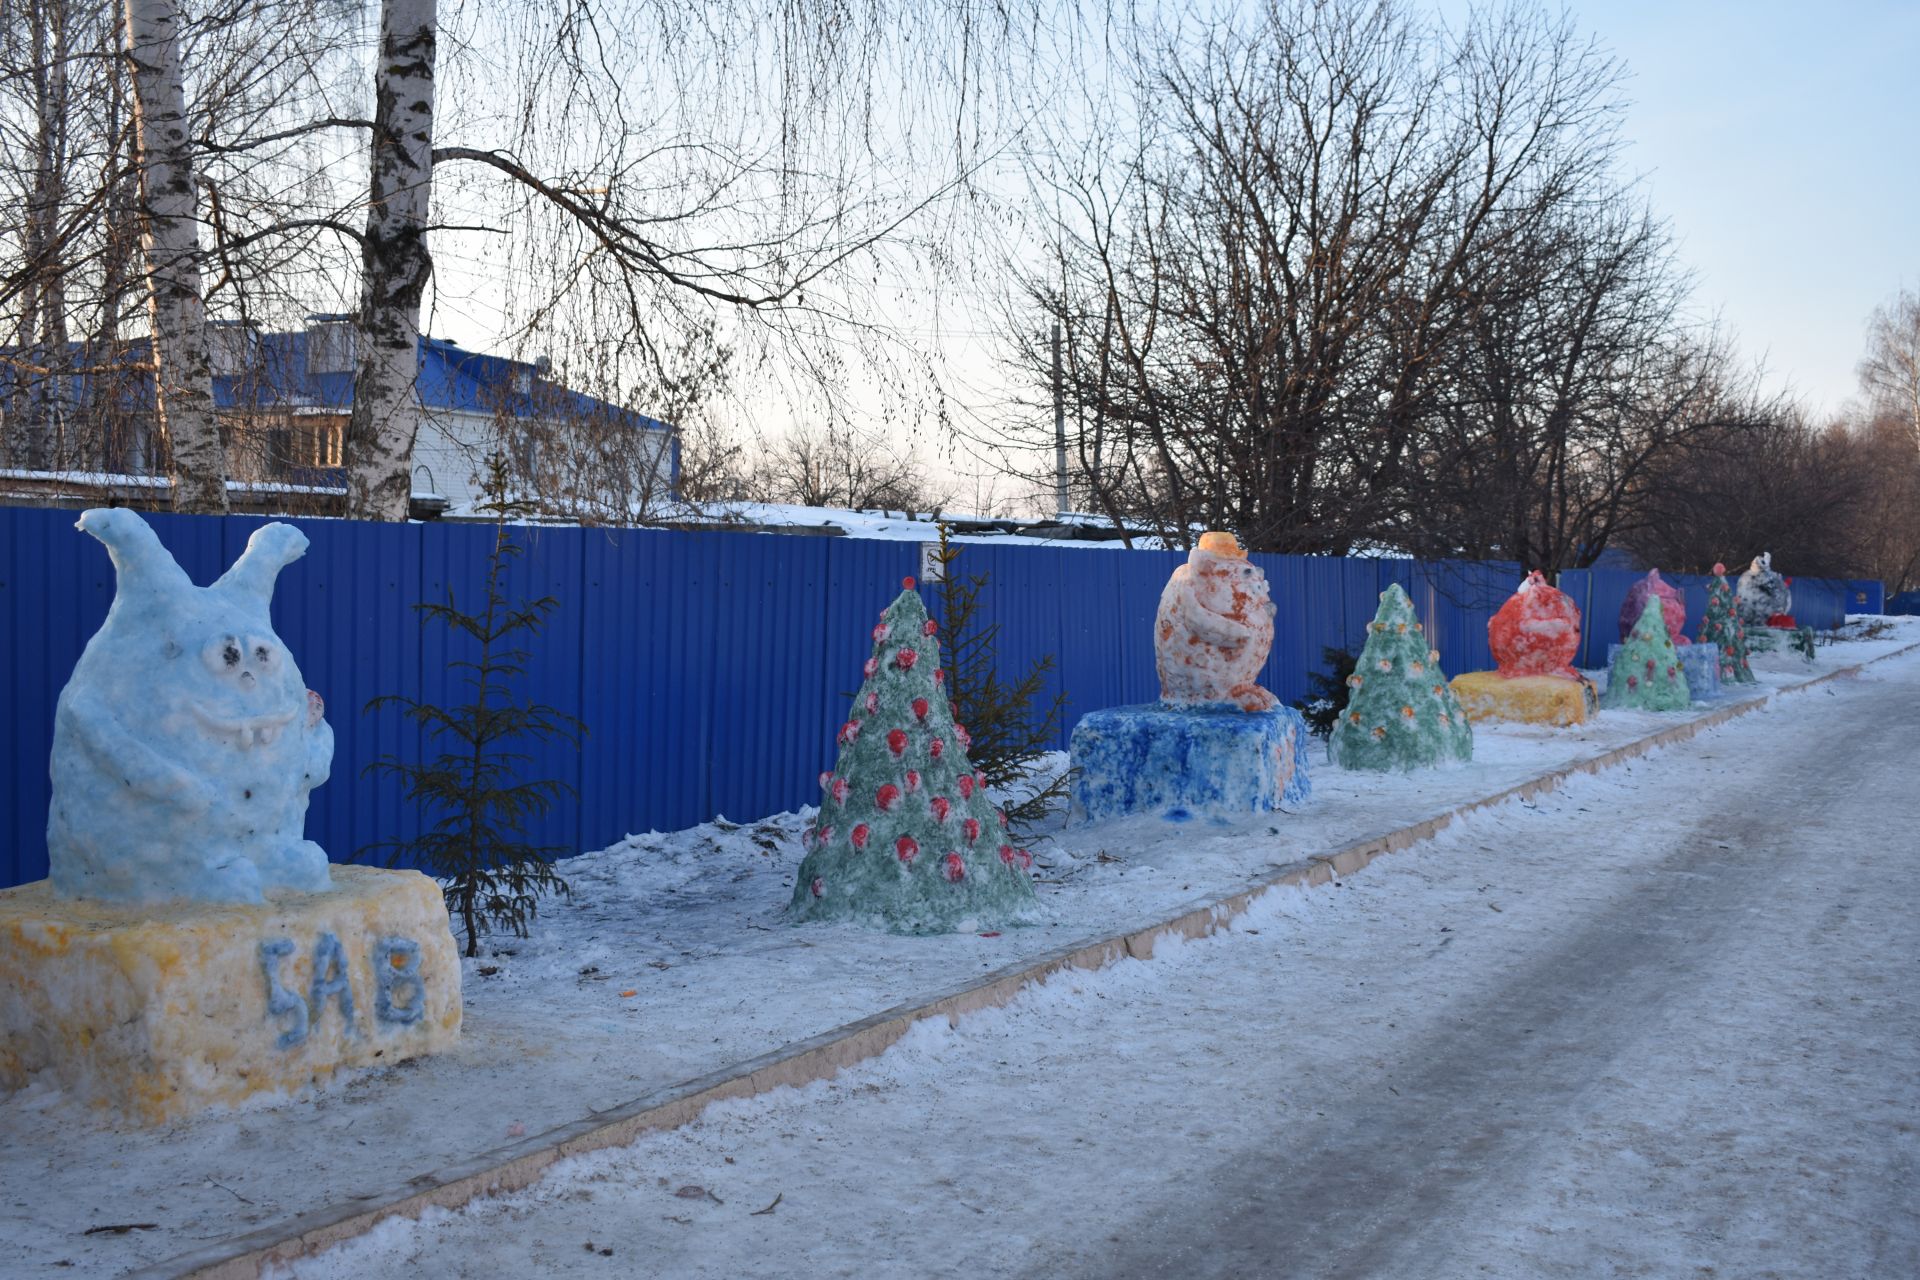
1761, 593
186, 742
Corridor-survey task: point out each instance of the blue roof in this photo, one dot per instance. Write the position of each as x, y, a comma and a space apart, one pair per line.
450, 379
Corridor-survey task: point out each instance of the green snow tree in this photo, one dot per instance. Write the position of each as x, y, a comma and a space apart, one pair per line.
471, 793
1723, 627
906, 837
1646, 673
1400, 713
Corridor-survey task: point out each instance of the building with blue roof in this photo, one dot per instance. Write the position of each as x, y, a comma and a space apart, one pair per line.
283, 401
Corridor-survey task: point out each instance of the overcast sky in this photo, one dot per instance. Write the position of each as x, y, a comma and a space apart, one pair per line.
1782, 140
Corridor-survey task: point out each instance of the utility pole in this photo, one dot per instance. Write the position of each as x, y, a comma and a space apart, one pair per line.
1059, 429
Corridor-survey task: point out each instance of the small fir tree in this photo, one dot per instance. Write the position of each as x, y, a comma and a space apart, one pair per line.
1327, 691
1646, 673
1011, 731
492, 877
1725, 628
1400, 713
1803, 642
906, 837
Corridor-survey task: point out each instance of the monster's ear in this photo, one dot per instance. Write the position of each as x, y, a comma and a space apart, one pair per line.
271, 548
140, 563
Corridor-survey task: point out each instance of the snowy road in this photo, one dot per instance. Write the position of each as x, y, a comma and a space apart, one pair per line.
1663, 1024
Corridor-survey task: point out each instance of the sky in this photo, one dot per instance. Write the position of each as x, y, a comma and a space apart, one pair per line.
1782, 143
1780, 140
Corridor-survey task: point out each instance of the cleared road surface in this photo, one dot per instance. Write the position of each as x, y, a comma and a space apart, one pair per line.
1664, 1023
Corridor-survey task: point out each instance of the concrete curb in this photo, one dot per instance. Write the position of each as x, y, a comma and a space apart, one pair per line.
518, 1165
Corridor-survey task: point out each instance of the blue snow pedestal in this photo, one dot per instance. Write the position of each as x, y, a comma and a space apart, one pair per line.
1211, 762
1701, 662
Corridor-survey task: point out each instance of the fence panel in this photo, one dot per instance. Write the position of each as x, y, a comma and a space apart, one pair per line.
711, 669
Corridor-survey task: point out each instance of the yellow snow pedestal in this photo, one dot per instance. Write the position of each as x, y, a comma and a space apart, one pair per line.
158, 1011
1488, 695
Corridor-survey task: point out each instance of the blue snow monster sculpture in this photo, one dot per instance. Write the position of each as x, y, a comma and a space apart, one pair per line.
186, 742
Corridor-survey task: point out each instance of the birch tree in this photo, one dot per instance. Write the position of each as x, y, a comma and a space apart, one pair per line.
170, 239
395, 265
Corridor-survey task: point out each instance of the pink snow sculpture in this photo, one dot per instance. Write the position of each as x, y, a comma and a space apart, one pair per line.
1214, 629
1673, 606
1536, 632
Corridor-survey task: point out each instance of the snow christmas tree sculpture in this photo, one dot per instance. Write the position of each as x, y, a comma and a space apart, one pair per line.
1401, 714
1725, 629
1673, 606
1534, 637
906, 837
1646, 674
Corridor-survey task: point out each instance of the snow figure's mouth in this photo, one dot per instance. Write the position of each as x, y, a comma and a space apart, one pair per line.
247, 733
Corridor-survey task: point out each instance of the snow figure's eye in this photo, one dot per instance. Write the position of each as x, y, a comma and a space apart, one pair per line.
262, 652
171, 649
222, 656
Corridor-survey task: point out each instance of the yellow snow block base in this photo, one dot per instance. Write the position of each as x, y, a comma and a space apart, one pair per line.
156, 1012
1488, 695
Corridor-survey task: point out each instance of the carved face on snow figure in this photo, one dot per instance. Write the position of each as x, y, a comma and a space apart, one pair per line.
1214, 628
186, 742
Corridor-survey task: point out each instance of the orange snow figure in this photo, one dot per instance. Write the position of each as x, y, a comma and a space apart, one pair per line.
1214, 629
1536, 632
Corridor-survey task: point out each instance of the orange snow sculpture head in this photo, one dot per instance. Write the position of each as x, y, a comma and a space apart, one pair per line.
1214, 628
1536, 632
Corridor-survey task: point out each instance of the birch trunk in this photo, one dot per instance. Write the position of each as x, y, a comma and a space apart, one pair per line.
395, 267
183, 379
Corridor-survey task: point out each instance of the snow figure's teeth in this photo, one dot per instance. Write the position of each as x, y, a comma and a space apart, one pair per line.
269, 735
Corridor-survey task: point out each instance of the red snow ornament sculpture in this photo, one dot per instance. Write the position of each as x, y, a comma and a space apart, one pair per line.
1534, 638
1673, 606
1536, 632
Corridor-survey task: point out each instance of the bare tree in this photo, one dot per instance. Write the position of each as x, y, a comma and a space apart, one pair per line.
1259, 297
835, 464
170, 237
1890, 373
395, 264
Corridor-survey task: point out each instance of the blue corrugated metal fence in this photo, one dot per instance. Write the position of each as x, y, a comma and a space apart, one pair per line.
711, 669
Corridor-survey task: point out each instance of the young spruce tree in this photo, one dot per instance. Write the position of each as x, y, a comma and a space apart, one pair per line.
471, 792
1010, 732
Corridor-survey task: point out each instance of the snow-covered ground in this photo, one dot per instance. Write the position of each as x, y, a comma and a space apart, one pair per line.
670, 962
1661, 1023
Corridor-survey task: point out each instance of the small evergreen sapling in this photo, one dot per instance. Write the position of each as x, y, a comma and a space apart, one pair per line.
491, 875
1327, 691
1010, 732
